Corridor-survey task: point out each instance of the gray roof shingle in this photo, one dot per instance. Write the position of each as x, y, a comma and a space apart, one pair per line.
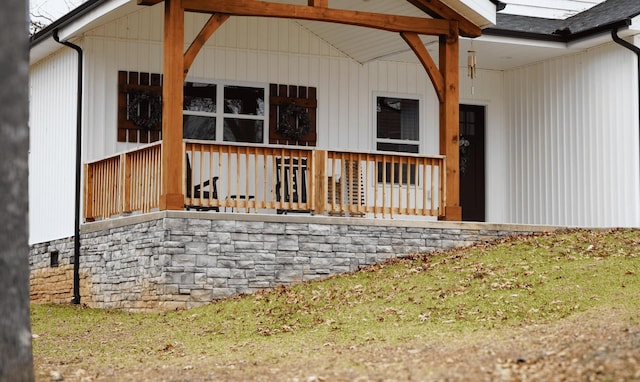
604, 15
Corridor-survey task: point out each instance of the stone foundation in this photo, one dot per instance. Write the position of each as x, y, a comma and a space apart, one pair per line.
178, 260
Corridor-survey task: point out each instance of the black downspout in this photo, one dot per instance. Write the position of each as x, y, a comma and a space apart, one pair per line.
76, 249
636, 50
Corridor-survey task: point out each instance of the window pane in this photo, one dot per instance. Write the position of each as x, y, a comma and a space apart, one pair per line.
200, 97
243, 100
406, 172
198, 127
243, 130
396, 147
397, 118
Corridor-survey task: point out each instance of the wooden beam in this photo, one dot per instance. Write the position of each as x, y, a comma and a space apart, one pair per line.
425, 58
436, 9
319, 3
392, 23
171, 195
214, 22
450, 122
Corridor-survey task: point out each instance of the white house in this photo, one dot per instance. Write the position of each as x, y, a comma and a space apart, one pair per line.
548, 125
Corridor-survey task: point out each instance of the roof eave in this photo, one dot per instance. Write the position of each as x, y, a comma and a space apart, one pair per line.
70, 17
565, 38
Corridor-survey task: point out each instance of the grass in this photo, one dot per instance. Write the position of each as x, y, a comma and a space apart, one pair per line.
513, 283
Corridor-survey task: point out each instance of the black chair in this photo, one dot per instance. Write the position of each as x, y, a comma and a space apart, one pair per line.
298, 190
198, 191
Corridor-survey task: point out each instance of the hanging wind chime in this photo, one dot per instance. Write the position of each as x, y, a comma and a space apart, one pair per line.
471, 67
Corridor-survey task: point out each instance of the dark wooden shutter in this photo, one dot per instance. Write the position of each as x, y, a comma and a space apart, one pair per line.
139, 107
280, 97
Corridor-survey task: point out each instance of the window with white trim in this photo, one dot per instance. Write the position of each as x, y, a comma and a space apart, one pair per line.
397, 129
222, 112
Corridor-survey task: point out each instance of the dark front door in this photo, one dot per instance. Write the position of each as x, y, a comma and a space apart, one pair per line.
472, 195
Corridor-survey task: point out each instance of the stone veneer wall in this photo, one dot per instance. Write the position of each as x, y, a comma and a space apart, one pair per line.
174, 259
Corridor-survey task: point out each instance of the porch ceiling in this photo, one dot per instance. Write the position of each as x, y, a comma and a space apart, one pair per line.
361, 44
367, 44
364, 44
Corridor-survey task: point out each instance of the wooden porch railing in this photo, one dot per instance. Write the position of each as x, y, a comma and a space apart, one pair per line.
123, 183
249, 178
304, 179
385, 184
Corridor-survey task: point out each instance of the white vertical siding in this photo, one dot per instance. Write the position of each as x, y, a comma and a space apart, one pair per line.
247, 49
52, 123
573, 140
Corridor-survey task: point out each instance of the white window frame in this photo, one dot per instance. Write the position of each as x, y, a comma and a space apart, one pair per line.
220, 114
419, 141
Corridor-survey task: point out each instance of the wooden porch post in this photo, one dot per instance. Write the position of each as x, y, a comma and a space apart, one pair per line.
450, 120
320, 181
171, 196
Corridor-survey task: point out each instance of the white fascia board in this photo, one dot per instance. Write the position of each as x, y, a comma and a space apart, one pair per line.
480, 12
585, 43
602, 38
522, 42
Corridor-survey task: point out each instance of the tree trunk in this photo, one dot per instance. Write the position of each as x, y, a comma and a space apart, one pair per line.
16, 361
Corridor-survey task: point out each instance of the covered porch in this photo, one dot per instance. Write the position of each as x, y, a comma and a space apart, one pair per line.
177, 173
326, 169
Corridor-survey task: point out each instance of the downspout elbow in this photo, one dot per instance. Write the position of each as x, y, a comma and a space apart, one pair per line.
634, 49
78, 168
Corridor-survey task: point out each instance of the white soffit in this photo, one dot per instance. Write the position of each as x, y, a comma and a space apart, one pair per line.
112, 10
364, 44
548, 9
480, 12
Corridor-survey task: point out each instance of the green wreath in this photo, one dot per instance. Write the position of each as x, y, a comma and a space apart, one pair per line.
145, 120
294, 121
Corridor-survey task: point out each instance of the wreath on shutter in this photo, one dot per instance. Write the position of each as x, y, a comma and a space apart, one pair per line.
145, 118
294, 121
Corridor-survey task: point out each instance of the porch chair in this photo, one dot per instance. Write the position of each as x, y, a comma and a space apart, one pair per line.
348, 191
298, 190
198, 190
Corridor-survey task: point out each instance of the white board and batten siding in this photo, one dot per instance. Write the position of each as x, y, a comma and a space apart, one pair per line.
52, 101
573, 140
249, 50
